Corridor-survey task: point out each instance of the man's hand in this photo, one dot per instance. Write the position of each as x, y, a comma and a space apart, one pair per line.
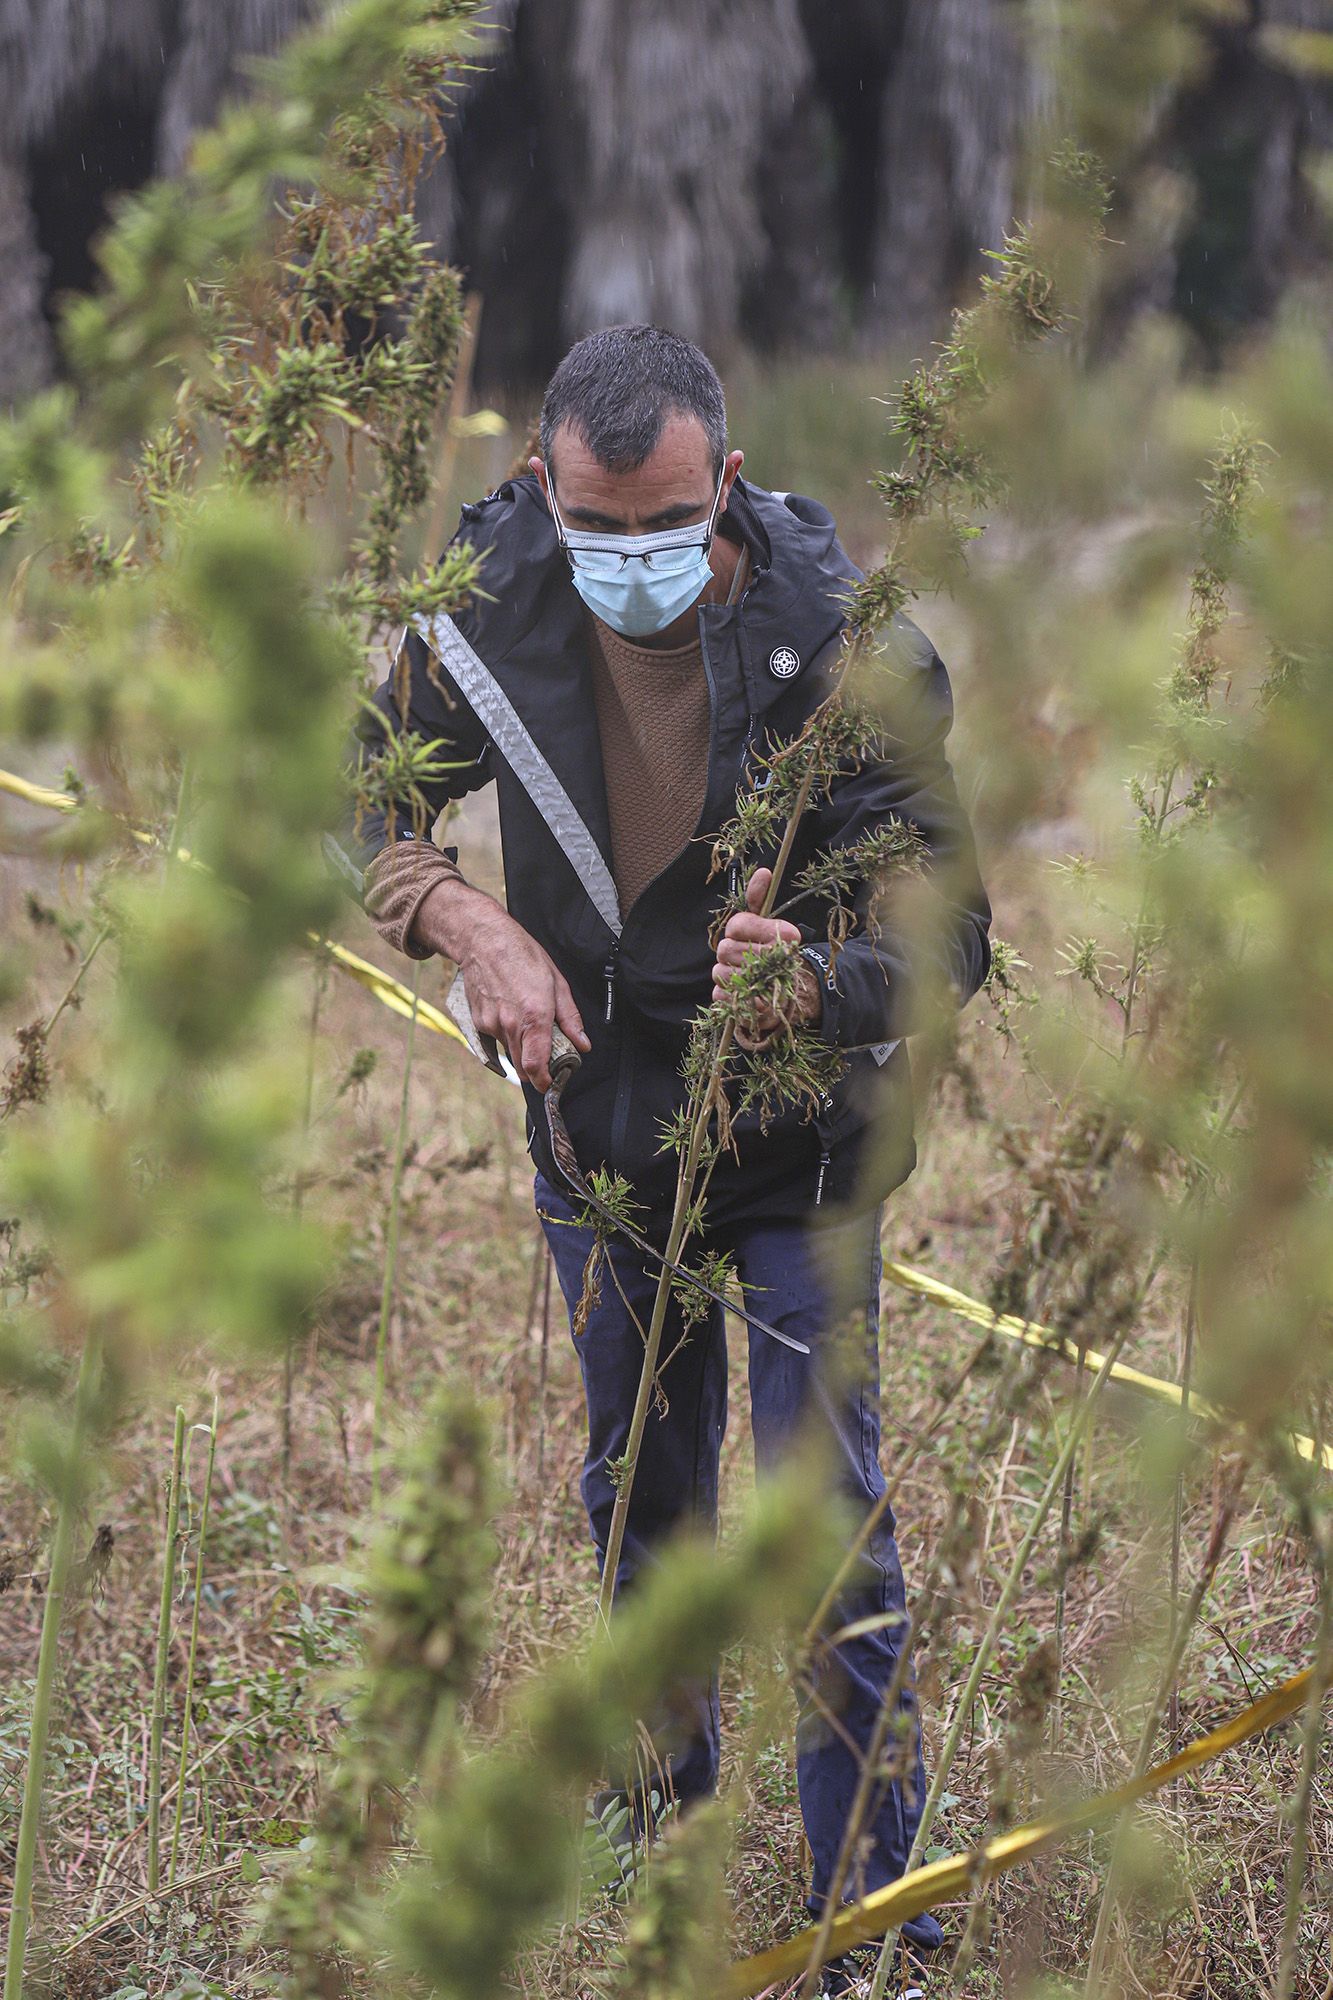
515, 991
748, 931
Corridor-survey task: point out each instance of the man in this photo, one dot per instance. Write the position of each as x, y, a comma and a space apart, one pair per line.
648, 624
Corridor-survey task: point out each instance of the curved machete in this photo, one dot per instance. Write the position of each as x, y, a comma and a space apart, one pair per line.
564, 1063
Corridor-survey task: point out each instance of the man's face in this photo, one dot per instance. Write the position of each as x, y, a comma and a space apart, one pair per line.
672, 488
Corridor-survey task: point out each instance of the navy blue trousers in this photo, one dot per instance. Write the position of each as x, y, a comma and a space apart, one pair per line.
783, 1277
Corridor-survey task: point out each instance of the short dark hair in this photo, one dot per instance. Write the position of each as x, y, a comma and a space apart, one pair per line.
617, 387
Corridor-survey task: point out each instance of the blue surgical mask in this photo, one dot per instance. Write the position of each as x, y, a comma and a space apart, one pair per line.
639, 584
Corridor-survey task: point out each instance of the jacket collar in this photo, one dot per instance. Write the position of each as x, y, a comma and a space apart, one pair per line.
795, 603
792, 607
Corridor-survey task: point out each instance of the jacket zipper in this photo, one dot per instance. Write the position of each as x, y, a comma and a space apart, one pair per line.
609, 975
826, 1153
624, 1092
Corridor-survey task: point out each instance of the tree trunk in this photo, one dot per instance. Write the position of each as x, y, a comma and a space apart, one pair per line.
958, 98
676, 101
215, 38
27, 352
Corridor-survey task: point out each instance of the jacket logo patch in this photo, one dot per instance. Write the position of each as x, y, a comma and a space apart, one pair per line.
783, 662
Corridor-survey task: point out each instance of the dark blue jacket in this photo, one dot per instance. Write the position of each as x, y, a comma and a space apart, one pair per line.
768, 659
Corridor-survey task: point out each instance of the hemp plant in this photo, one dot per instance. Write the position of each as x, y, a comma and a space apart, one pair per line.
931, 499
170, 614
1177, 1162
496, 1852
426, 1583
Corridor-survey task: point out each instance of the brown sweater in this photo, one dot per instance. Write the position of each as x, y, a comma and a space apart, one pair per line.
653, 719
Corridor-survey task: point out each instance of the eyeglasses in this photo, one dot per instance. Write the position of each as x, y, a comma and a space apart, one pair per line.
669, 552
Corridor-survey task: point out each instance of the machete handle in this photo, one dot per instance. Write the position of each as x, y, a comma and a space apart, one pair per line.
565, 1059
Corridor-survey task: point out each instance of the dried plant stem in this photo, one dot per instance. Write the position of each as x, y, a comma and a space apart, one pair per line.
871, 1772
1312, 1726
1080, 1420
391, 1234
157, 1723
973, 1935
75, 983
868, 1778
298, 1198
182, 808
685, 1197
119, 1916
615, 1540
1066, 1542
460, 391
1178, 1496
137, 1825
1181, 1627
39, 1728
194, 1643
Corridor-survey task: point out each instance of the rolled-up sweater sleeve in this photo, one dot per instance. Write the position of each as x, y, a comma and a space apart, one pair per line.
396, 884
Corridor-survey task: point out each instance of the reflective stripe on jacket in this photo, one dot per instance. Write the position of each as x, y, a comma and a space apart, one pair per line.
533, 731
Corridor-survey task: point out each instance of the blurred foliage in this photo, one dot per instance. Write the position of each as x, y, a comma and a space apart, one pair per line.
426, 1587
497, 1846
179, 626
171, 619
1141, 593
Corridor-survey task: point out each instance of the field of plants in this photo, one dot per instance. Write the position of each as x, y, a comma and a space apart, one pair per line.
304, 1680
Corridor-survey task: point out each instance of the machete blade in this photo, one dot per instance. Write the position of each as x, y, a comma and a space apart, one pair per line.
564, 1062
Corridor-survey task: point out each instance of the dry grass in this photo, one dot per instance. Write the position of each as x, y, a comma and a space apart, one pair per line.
1205, 1912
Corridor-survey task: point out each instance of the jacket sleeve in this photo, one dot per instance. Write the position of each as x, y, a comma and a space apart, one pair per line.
417, 699
884, 980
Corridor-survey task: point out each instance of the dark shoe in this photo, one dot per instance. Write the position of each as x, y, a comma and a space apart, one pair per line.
852, 1976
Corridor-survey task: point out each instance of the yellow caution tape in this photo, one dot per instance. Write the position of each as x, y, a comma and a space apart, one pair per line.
961, 1874
481, 424
37, 795
1032, 1334
391, 993
388, 991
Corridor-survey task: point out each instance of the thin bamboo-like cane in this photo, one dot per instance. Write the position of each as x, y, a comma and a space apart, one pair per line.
298, 1198
1178, 1492
391, 1235
204, 1506
57, 1584
1312, 1726
1062, 1585
158, 1719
